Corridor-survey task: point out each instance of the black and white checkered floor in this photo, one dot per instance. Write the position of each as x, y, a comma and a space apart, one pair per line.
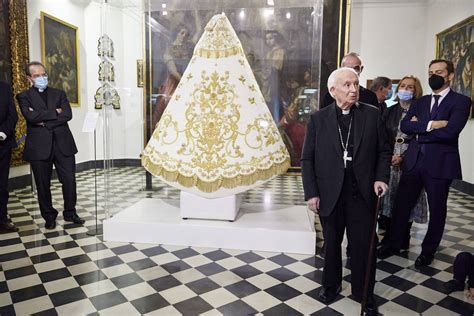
67, 272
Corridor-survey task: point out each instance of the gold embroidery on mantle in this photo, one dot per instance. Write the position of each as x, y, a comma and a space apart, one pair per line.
216, 136
219, 40
221, 182
210, 137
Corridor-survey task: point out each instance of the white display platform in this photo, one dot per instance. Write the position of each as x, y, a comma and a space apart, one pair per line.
278, 228
224, 208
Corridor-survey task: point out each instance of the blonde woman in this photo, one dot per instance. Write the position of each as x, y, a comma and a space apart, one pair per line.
408, 89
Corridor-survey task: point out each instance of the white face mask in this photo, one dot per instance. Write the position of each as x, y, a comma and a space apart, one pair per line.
405, 95
41, 83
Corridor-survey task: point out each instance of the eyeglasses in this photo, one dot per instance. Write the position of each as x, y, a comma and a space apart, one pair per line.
39, 75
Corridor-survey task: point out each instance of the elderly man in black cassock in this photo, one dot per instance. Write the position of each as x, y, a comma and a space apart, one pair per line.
345, 162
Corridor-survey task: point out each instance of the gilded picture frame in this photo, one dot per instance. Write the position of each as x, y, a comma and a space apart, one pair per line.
15, 51
456, 44
60, 55
140, 74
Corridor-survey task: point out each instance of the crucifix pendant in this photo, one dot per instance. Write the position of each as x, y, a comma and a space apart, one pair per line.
345, 158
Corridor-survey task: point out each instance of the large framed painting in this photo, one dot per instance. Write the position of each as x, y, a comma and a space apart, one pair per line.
289, 46
456, 44
13, 57
60, 55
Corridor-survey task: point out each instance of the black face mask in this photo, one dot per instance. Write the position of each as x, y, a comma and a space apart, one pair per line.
436, 82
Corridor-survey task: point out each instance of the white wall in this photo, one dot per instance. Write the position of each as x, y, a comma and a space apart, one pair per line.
386, 36
124, 26
397, 38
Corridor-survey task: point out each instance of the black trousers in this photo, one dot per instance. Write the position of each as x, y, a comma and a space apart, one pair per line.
463, 267
66, 170
409, 188
5, 156
352, 213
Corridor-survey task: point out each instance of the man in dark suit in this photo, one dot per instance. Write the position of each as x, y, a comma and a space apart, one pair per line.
8, 119
431, 160
345, 159
354, 61
49, 141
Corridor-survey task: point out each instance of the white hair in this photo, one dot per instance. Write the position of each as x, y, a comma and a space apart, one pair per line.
335, 74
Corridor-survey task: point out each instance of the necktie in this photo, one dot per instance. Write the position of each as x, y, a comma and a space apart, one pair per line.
434, 110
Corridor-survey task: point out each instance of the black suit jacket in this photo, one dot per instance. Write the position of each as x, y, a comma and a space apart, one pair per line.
8, 116
365, 96
440, 145
39, 139
321, 160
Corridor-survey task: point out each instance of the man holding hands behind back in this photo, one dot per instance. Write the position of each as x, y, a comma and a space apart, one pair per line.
49, 141
345, 162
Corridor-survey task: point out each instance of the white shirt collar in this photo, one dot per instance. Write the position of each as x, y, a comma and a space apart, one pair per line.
443, 93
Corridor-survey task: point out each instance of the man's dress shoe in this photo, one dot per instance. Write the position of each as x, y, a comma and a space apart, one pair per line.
328, 295
454, 286
386, 251
75, 219
50, 225
423, 260
371, 308
7, 227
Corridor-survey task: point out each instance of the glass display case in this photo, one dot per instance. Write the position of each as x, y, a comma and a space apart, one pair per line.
281, 41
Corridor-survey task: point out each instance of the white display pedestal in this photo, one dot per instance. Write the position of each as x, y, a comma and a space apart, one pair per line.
264, 227
225, 208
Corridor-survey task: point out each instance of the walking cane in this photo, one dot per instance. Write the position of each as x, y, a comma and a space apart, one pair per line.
371, 254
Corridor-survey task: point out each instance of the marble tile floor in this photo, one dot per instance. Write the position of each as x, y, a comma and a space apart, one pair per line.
67, 272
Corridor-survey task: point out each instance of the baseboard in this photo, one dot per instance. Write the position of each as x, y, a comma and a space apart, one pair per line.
19, 182
464, 187
25, 180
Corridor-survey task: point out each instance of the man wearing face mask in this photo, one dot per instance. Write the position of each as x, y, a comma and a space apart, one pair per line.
49, 141
382, 87
432, 159
354, 61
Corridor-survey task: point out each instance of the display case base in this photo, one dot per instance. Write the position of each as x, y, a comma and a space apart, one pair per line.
225, 208
260, 227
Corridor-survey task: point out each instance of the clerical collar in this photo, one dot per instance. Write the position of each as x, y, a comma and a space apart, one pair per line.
40, 91
340, 111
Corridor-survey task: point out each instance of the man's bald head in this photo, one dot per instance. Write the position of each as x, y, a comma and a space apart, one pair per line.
354, 61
